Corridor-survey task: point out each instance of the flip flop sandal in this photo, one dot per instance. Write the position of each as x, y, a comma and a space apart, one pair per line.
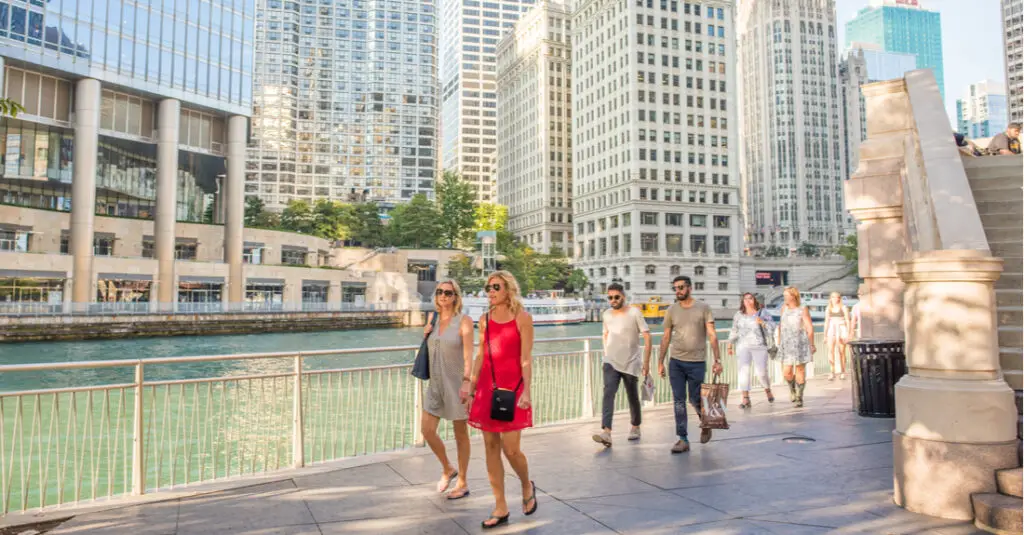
458, 494
745, 404
500, 520
443, 484
533, 496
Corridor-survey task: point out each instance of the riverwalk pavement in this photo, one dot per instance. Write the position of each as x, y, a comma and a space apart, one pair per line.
778, 470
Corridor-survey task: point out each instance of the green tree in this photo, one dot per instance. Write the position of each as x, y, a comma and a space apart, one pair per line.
850, 252
490, 216
807, 249
775, 252
455, 203
461, 269
256, 215
10, 108
330, 219
577, 282
208, 214
415, 224
297, 217
364, 225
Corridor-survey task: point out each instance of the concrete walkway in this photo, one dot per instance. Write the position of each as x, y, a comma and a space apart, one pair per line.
749, 479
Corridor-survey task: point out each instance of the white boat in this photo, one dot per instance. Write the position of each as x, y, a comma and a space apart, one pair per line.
816, 303
545, 310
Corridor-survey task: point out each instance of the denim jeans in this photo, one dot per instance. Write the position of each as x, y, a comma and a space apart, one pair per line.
611, 387
685, 376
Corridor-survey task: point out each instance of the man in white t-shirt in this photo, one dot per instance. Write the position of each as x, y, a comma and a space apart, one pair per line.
623, 326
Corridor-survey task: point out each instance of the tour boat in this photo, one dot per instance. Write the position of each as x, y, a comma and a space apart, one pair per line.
548, 310
816, 303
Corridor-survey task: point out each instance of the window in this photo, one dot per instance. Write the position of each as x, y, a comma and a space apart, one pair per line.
649, 243
627, 246
650, 269
626, 219
721, 245
698, 271
103, 246
651, 285
314, 292
294, 257
674, 270
648, 218
252, 254
123, 291
185, 251
723, 286
674, 243
14, 240
264, 296
698, 243
698, 286
698, 220
674, 220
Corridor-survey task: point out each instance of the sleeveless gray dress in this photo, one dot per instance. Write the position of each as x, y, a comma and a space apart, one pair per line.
794, 347
446, 370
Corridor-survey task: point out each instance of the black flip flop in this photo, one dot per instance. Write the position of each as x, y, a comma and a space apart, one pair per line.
460, 496
533, 496
500, 520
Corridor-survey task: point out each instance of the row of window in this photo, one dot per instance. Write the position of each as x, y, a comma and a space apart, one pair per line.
651, 218
651, 243
688, 8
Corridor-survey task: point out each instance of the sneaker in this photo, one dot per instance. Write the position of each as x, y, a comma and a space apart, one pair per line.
681, 446
705, 436
604, 437
634, 434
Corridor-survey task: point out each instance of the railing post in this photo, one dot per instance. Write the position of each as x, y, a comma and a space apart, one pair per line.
298, 429
588, 397
138, 444
417, 415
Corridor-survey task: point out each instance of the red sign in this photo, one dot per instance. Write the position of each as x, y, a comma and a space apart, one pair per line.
907, 3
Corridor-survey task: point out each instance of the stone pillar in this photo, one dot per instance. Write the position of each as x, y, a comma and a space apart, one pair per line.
168, 121
874, 197
334, 295
955, 417
234, 207
83, 188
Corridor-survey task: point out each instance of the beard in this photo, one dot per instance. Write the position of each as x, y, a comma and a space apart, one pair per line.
682, 296
618, 304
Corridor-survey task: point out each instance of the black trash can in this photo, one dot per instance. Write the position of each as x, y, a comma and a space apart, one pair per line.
877, 366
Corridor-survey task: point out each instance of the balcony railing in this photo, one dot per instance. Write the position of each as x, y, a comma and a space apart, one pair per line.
89, 430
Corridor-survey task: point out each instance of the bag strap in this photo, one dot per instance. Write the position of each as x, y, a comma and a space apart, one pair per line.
487, 346
433, 325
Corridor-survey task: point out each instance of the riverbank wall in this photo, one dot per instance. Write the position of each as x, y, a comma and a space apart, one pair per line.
99, 327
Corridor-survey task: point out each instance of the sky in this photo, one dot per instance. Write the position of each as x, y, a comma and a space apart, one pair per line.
972, 41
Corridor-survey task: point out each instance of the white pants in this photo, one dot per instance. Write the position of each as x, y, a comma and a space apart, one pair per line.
759, 356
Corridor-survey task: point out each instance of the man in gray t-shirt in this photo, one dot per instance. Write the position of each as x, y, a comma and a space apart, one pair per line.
623, 326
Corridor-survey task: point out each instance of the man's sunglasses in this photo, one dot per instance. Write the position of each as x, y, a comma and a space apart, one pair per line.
681, 287
495, 287
614, 297
446, 293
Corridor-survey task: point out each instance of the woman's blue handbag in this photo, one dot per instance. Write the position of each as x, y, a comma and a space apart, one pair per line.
421, 367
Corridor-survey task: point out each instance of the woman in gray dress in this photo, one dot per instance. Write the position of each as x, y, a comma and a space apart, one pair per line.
450, 348
796, 343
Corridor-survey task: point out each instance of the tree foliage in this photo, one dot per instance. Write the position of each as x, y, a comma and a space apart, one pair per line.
297, 217
10, 108
775, 251
490, 216
461, 269
848, 250
455, 202
256, 215
364, 226
416, 223
807, 249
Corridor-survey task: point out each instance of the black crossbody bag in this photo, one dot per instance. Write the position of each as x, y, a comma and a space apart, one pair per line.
503, 401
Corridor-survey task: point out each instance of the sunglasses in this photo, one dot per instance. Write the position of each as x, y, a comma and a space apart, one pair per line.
614, 297
681, 287
446, 293
495, 287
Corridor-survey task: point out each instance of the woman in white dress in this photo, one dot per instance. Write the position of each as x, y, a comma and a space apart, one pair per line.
796, 343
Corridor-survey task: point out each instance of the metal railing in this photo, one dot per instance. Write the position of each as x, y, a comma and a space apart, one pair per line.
31, 309
147, 428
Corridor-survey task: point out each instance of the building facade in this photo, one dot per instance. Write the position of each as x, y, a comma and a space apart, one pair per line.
981, 112
1013, 61
901, 26
534, 173
862, 64
654, 140
793, 158
345, 102
134, 110
470, 31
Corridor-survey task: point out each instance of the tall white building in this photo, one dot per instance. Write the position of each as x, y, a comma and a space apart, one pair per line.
792, 123
981, 112
470, 31
654, 146
1013, 59
345, 101
534, 171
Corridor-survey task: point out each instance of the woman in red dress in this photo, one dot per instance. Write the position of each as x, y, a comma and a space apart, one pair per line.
506, 345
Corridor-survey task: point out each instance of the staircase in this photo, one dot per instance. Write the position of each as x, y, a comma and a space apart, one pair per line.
996, 183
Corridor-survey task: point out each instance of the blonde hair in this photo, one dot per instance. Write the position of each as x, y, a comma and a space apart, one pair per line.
515, 300
794, 292
457, 302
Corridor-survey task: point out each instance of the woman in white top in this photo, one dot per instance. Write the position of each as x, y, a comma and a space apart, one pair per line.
748, 339
837, 333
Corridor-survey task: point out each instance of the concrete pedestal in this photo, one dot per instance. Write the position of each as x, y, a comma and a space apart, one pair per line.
955, 416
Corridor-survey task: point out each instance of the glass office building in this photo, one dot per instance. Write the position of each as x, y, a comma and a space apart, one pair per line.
982, 112
346, 101
901, 26
133, 108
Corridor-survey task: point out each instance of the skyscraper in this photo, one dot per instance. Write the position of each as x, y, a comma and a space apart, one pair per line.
1013, 62
534, 172
793, 158
654, 146
470, 31
901, 26
981, 112
345, 101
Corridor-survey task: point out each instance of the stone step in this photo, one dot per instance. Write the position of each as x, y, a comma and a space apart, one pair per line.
997, 513
1006, 249
989, 219
1009, 281
1005, 234
1010, 481
1011, 160
996, 178
1014, 378
998, 194
1008, 297
1010, 358
1010, 336
1009, 316
1007, 205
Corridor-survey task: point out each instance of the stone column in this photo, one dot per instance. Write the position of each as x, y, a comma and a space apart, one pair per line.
955, 417
334, 295
168, 121
874, 197
234, 207
83, 188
